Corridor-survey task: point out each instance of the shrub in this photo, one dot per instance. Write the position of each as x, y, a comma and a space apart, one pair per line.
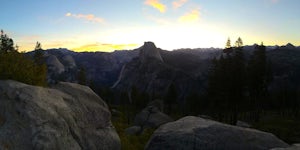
16, 66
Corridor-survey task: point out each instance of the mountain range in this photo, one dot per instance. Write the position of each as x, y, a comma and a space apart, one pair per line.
153, 70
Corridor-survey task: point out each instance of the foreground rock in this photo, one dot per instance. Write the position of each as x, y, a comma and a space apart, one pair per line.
194, 133
65, 117
243, 124
134, 130
152, 117
293, 147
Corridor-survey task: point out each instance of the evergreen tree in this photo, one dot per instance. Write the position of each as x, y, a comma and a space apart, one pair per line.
239, 42
6, 43
81, 76
170, 98
228, 43
259, 77
238, 82
38, 56
139, 99
226, 86
16, 66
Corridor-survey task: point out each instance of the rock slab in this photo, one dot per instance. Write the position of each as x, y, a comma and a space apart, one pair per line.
65, 117
195, 133
151, 117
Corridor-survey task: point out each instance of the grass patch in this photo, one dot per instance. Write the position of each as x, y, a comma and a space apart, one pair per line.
285, 128
130, 142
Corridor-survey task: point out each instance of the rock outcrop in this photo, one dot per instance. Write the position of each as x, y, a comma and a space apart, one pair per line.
65, 117
293, 147
152, 117
149, 52
134, 130
194, 133
69, 62
150, 74
54, 65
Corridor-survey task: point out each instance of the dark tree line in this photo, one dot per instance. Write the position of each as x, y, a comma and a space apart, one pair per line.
16, 66
236, 85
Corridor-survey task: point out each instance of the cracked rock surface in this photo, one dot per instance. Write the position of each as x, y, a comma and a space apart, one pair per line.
195, 133
66, 116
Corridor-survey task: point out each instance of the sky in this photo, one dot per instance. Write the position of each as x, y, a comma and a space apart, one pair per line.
108, 25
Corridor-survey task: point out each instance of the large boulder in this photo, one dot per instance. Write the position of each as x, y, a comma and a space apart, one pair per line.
158, 104
195, 133
293, 147
65, 117
134, 130
152, 117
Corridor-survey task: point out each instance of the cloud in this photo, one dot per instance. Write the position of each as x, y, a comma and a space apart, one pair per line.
191, 16
88, 17
104, 47
178, 3
157, 5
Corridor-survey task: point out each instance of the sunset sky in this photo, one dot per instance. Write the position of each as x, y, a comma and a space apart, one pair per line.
107, 25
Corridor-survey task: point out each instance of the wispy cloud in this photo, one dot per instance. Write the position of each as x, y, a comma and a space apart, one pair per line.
178, 3
192, 16
104, 47
88, 17
157, 5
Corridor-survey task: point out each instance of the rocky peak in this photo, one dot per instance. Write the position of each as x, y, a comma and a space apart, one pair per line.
149, 51
290, 46
69, 61
54, 64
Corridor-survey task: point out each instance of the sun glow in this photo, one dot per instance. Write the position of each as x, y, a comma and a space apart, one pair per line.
104, 47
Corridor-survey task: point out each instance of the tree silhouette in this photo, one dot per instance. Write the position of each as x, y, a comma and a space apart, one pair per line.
139, 99
81, 76
170, 98
226, 83
6, 43
259, 77
239, 42
38, 56
16, 66
228, 43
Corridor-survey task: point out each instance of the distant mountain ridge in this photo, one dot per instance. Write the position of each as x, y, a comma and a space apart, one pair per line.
152, 69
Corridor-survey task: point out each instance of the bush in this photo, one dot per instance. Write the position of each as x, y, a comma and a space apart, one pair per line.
131, 142
16, 66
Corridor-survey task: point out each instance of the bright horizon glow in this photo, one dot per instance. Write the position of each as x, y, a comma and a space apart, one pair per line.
101, 25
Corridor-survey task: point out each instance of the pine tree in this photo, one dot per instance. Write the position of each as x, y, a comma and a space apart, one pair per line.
16, 66
259, 77
81, 76
239, 42
139, 99
226, 84
170, 98
38, 56
228, 43
6, 43
238, 84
